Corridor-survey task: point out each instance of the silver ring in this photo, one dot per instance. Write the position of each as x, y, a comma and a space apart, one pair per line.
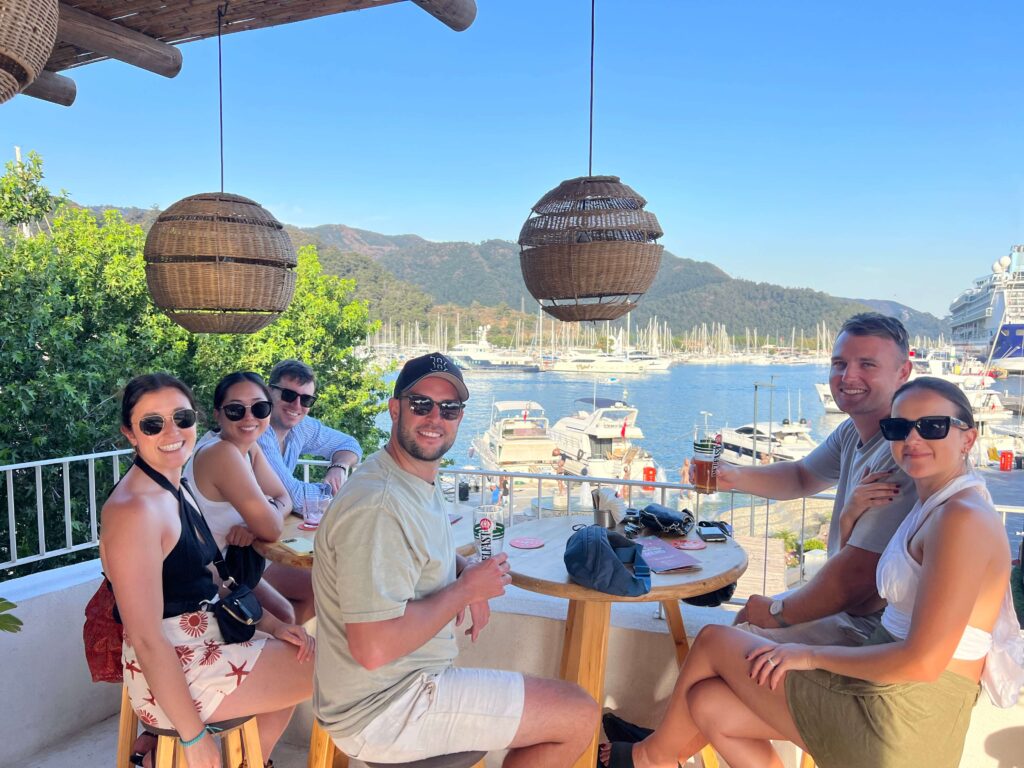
771, 661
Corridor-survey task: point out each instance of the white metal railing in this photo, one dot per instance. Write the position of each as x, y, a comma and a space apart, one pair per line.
537, 490
12, 472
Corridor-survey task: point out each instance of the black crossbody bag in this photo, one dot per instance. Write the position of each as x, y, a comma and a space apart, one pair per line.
239, 611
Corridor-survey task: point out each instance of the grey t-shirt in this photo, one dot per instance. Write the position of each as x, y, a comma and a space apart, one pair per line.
384, 541
842, 459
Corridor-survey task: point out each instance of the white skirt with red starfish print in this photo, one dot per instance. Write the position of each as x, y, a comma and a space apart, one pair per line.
213, 669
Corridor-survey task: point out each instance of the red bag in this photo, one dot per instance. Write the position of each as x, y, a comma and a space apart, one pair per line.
102, 637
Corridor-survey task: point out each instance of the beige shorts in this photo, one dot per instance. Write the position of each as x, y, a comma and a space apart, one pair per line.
458, 710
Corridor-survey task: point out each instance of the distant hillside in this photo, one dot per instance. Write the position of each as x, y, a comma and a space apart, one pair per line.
922, 322
685, 293
403, 276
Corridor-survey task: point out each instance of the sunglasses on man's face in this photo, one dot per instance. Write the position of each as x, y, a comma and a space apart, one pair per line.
290, 395
422, 406
928, 427
236, 411
183, 418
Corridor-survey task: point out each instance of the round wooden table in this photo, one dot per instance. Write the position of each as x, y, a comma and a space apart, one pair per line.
585, 644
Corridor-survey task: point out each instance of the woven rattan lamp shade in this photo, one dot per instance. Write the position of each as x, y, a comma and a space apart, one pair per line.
28, 30
588, 250
220, 263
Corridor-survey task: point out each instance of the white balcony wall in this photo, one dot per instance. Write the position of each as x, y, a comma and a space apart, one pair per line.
45, 689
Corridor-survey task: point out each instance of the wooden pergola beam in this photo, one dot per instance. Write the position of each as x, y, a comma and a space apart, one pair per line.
457, 14
49, 86
95, 34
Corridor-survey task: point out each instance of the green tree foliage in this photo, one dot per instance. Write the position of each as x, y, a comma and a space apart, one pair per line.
23, 199
78, 323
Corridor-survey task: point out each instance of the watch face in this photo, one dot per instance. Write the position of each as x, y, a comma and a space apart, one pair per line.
775, 608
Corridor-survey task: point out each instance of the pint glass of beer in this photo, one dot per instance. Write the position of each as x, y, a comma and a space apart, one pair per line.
707, 448
489, 530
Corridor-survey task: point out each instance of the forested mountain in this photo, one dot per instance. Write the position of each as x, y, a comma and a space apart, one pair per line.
685, 293
403, 276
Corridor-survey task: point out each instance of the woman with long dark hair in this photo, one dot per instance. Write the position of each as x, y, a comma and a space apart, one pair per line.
157, 552
240, 494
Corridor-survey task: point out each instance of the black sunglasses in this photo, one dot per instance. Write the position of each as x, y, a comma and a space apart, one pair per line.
183, 418
422, 406
236, 411
289, 396
928, 427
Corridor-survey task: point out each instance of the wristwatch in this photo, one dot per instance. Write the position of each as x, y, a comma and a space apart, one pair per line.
775, 609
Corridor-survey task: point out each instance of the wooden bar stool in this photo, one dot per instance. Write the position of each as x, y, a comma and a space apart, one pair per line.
240, 740
323, 753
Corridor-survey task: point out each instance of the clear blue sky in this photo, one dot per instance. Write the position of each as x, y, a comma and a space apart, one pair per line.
869, 149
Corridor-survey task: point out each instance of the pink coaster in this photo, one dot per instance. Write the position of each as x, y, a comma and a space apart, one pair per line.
527, 542
688, 544
308, 526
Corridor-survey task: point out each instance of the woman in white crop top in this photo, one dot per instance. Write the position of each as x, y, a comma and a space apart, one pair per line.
239, 493
902, 700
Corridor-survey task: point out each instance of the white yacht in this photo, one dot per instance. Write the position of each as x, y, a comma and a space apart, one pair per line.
764, 443
591, 361
598, 440
481, 355
825, 395
517, 440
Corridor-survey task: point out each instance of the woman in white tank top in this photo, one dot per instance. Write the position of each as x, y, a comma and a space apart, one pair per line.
902, 700
239, 493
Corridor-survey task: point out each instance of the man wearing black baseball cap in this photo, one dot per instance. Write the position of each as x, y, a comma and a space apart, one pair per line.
390, 591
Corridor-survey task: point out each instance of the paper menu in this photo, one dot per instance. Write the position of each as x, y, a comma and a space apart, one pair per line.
662, 556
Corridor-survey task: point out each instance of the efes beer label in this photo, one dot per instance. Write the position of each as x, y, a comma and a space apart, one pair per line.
488, 533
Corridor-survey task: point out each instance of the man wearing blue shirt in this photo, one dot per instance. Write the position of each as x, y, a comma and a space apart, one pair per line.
294, 433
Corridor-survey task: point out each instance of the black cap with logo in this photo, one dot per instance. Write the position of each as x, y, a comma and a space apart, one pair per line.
434, 364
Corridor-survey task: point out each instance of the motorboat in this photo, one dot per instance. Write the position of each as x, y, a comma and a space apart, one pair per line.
825, 395
586, 361
598, 440
518, 439
481, 355
765, 443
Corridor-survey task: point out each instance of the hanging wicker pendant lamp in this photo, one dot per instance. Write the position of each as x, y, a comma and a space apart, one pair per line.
220, 263
28, 30
588, 250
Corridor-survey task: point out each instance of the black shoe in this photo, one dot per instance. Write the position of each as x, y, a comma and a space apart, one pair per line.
617, 729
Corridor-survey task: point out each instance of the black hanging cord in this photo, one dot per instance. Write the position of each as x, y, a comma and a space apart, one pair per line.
590, 158
222, 11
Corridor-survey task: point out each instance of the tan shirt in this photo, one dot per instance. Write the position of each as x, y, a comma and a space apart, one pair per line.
843, 459
384, 541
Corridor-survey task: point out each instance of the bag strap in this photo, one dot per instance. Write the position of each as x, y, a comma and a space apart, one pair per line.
630, 553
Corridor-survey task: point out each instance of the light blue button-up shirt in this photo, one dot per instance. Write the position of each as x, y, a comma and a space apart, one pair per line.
310, 436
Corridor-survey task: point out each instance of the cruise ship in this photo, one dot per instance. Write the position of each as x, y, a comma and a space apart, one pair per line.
987, 319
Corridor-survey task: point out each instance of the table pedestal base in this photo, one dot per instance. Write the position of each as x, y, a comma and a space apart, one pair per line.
585, 651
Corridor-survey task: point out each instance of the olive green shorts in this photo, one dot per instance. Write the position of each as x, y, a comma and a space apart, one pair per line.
846, 722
